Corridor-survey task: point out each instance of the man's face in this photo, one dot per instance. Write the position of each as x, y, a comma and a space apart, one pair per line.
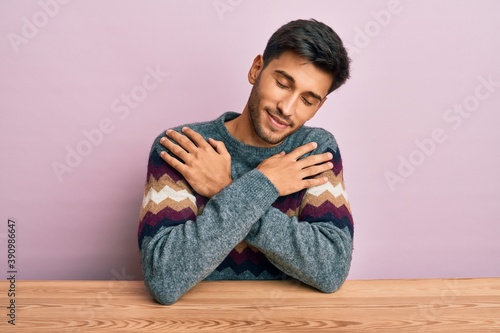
285, 94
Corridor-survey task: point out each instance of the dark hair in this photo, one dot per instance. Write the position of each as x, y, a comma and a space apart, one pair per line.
314, 41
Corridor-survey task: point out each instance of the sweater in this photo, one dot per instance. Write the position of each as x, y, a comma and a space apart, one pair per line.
246, 231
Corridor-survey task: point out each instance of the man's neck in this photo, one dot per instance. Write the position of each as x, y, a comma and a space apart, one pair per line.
241, 128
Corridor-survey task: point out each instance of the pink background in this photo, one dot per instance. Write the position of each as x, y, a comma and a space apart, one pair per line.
415, 65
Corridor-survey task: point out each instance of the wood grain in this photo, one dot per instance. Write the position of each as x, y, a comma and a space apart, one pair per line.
430, 305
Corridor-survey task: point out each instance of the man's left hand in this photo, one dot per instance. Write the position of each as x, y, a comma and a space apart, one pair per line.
207, 165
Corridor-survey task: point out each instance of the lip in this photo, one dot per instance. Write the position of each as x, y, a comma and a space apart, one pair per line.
276, 122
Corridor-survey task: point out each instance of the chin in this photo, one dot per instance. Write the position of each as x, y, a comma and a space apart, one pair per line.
272, 138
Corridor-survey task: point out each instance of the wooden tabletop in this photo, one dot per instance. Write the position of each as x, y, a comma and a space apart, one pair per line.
433, 305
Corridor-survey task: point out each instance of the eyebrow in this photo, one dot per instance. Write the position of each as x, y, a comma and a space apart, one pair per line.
291, 79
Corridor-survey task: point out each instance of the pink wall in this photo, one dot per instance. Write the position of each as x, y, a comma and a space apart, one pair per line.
417, 123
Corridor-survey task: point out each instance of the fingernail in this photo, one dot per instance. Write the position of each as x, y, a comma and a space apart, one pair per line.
315, 144
330, 156
330, 165
169, 131
162, 140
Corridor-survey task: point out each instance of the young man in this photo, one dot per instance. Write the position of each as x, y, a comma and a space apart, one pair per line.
255, 195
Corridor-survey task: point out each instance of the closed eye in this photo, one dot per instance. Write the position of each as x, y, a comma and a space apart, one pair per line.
306, 102
281, 85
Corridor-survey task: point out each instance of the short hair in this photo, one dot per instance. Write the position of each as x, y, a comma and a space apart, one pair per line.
316, 42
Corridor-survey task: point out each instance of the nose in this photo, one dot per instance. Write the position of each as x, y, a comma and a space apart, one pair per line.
287, 105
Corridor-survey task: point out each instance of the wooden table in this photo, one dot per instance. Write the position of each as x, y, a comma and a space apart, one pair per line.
434, 305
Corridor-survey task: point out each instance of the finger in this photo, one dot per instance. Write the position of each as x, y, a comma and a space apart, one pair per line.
302, 150
181, 140
315, 159
308, 183
195, 137
281, 153
317, 169
175, 149
219, 146
173, 162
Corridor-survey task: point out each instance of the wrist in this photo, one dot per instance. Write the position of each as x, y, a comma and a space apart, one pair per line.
219, 187
225, 184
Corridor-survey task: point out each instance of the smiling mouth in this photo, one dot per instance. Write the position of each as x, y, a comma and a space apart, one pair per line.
277, 122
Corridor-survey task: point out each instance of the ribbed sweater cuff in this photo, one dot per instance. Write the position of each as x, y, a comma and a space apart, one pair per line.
257, 186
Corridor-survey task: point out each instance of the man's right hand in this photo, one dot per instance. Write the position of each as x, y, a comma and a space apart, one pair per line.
206, 166
287, 171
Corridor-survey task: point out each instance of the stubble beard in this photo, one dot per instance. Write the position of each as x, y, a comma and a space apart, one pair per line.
256, 117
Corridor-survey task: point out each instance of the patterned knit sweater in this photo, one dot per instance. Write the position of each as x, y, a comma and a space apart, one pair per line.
246, 231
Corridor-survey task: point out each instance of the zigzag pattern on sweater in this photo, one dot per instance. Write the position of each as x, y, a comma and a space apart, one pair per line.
244, 259
169, 201
163, 193
325, 203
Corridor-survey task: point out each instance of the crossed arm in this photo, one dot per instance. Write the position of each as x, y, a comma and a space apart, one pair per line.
207, 165
180, 254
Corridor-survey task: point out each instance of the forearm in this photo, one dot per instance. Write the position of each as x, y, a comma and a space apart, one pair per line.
314, 245
318, 254
177, 257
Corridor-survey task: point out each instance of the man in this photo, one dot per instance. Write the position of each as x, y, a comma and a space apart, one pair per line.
256, 195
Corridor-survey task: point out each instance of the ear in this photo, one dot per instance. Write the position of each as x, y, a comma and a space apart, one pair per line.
257, 66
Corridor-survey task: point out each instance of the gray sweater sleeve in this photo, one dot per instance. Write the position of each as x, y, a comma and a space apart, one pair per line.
314, 246
175, 257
